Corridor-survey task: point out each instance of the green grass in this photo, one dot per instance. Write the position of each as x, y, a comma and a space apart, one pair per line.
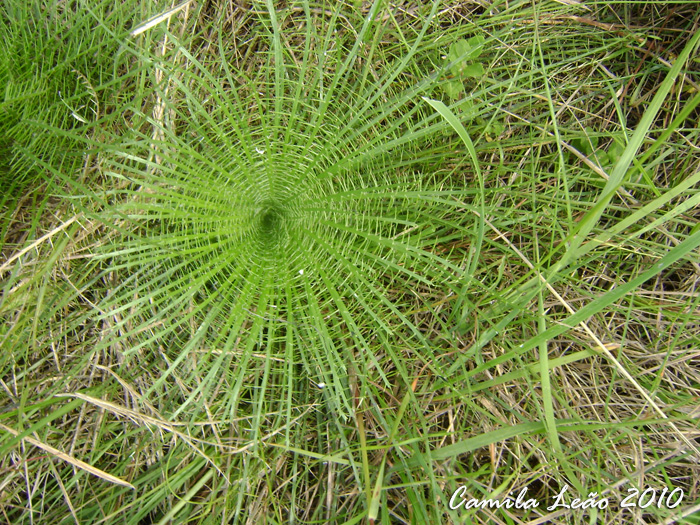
318, 262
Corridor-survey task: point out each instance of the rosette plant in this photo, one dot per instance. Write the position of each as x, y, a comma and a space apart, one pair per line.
292, 222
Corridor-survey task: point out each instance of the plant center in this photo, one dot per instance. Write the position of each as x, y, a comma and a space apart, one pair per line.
271, 226
270, 220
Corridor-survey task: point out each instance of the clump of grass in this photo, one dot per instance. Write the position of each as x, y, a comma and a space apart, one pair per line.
323, 263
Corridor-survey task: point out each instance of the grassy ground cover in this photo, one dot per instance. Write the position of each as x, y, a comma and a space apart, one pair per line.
361, 262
